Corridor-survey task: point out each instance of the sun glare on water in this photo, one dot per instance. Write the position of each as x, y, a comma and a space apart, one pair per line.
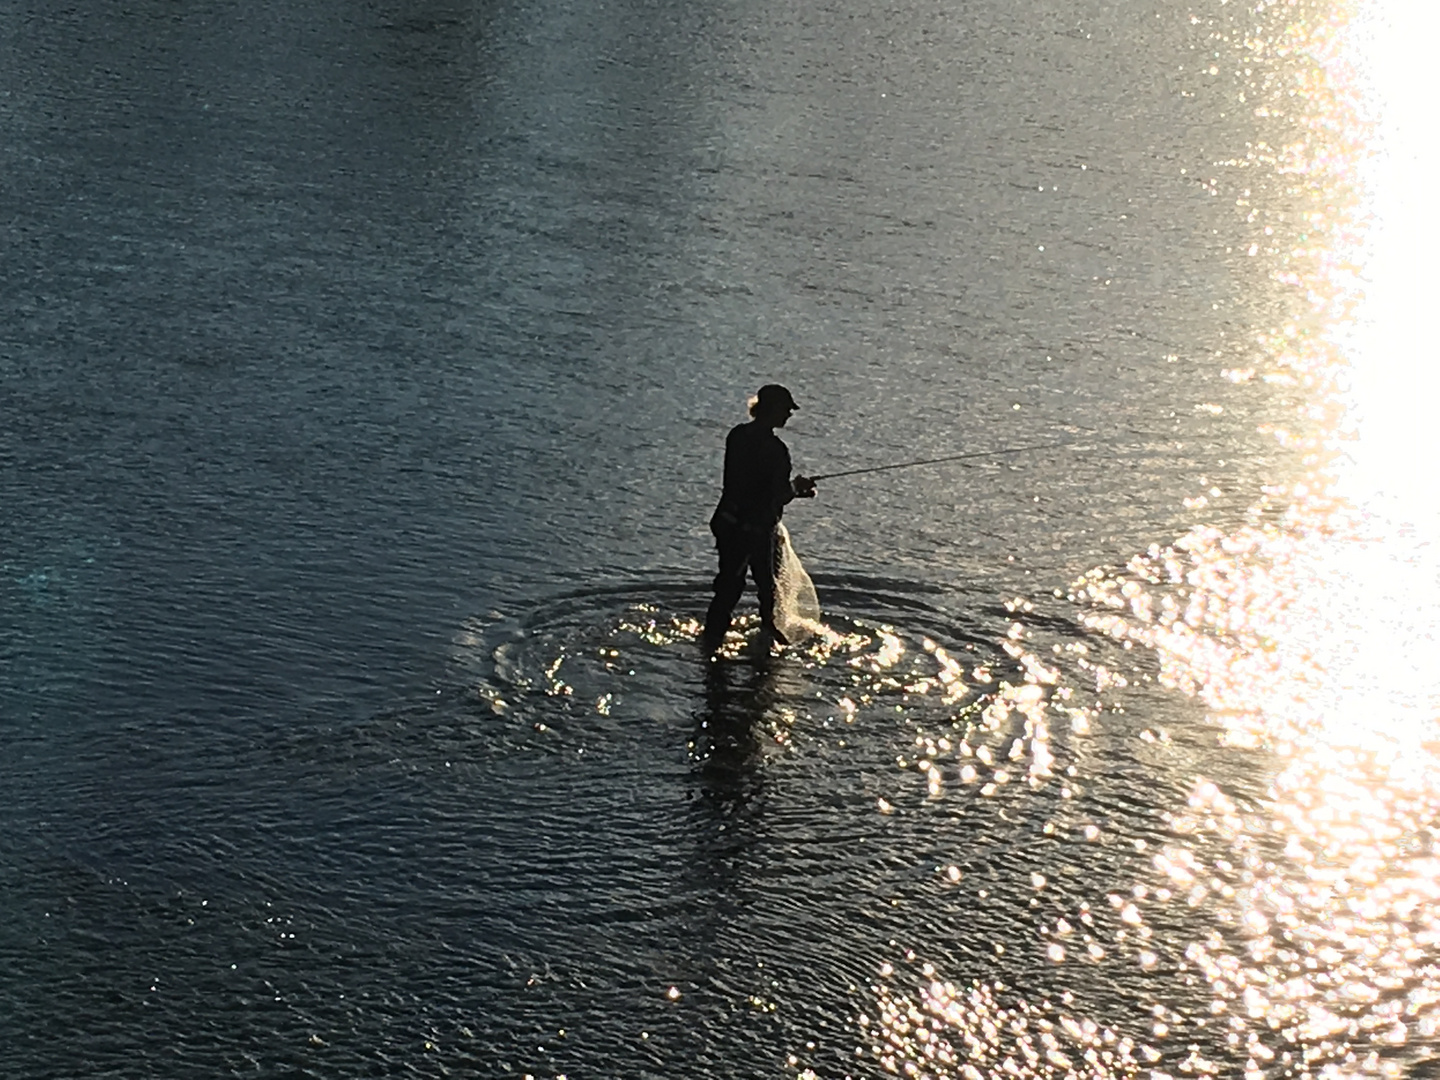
1343, 604
1316, 638
1390, 439
1310, 635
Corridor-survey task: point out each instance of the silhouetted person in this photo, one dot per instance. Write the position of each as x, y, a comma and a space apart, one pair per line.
757, 487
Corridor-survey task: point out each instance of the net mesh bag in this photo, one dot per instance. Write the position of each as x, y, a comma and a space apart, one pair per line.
797, 608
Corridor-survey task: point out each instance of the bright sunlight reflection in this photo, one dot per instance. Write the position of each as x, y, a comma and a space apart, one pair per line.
1316, 637
1310, 634
1391, 345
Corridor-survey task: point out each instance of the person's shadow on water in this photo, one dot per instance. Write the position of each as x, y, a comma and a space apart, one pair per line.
731, 732
742, 721
726, 748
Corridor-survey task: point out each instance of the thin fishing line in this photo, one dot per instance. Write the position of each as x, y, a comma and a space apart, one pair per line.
948, 457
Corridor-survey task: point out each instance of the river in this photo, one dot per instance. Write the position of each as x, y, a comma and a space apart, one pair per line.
364, 376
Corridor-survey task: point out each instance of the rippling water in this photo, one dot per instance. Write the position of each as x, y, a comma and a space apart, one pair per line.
364, 373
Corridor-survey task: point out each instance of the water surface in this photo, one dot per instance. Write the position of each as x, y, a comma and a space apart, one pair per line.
365, 374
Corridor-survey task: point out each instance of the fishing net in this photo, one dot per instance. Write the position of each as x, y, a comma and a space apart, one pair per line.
797, 608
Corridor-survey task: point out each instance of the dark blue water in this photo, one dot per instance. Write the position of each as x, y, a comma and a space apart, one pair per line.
364, 372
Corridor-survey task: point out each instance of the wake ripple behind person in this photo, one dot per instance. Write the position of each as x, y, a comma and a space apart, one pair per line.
756, 488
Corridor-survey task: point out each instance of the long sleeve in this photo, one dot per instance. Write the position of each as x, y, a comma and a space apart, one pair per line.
757, 477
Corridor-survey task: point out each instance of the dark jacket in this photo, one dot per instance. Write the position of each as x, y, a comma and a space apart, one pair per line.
757, 479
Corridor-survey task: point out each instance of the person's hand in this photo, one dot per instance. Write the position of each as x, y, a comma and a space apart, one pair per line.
804, 487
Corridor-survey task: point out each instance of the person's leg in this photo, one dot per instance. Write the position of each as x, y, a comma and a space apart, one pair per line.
762, 568
734, 556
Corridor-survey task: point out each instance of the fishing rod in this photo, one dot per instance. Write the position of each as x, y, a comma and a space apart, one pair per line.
947, 457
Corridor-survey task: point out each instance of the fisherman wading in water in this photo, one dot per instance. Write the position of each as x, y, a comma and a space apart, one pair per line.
757, 487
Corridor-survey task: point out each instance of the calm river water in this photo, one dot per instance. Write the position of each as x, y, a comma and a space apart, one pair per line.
364, 374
